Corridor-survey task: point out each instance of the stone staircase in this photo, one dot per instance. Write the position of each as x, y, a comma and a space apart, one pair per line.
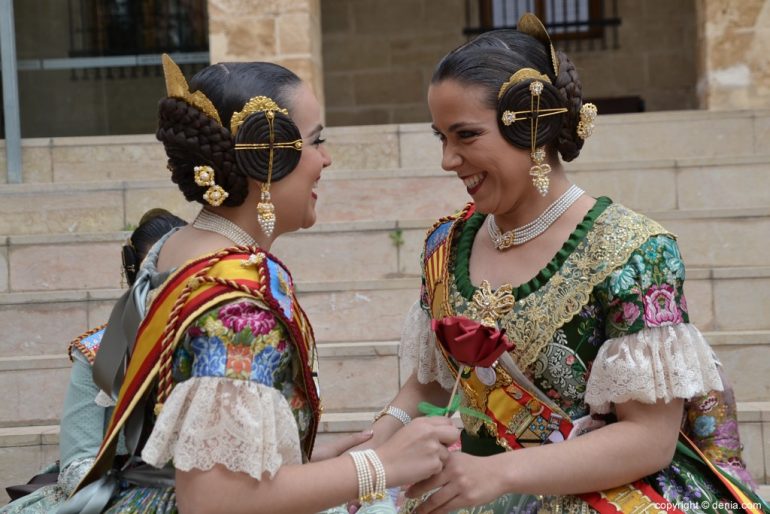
705, 176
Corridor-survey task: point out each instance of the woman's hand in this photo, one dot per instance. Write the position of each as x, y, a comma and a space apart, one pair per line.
340, 445
418, 450
465, 481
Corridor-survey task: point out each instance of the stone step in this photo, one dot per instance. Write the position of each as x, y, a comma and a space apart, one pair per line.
355, 376
723, 299
362, 250
393, 193
43, 322
617, 138
27, 449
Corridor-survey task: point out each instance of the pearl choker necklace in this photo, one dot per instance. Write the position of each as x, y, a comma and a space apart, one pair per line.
207, 220
534, 228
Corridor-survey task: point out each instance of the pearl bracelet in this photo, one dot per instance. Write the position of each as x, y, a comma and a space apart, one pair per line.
380, 484
364, 475
392, 410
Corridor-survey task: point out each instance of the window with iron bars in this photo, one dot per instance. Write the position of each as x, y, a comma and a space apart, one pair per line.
575, 24
128, 27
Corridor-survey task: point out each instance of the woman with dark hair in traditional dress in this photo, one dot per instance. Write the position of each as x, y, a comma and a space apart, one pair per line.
584, 297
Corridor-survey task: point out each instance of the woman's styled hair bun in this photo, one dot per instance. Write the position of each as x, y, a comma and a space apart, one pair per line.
571, 91
194, 126
191, 138
518, 99
256, 130
492, 58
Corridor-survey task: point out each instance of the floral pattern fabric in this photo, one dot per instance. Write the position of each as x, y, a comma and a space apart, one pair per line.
237, 341
647, 290
642, 294
242, 341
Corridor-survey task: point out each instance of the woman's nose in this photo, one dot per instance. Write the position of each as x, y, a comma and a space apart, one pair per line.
450, 159
327, 158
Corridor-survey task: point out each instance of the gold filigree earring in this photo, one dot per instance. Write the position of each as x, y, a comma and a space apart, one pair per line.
266, 211
204, 177
539, 170
585, 127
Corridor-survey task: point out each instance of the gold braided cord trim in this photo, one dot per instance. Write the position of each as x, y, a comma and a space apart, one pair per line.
171, 332
256, 104
521, 75
77, 343
295, 145
176, 87
616, 233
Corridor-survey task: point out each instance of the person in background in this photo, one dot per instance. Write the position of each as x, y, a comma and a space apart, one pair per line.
83, 419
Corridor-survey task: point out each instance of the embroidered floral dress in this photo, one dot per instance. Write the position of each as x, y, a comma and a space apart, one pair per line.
235, 403
630, 339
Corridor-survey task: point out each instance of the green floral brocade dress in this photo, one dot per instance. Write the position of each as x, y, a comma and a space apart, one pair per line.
628, 338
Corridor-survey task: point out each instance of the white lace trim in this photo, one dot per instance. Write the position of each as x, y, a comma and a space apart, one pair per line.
104, 400
242, 425
419, 351
655, 363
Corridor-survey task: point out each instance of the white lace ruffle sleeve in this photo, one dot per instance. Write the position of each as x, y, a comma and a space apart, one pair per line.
656, 363
419, 351
243, 425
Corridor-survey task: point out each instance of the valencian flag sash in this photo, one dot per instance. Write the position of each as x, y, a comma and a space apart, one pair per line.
199, 285
520, 415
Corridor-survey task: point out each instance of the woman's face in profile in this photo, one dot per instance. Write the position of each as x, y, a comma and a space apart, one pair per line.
294, 196
494, 172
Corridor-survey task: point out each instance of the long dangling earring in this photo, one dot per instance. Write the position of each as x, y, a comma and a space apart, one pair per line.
204, 177
265, 207
540, 170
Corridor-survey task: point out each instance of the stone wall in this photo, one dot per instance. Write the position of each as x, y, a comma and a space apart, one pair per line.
733, 58
655, 59
379, 56
287, 32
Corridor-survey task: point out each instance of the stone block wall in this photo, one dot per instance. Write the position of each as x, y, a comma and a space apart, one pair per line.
286, 32
379, 55
733, 61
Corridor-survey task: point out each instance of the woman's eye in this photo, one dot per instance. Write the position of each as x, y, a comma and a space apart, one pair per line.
467, 134
319, 141
439, 135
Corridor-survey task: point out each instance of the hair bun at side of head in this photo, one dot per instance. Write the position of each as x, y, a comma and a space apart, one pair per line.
517, 98
255, 130
571, 91
192, 138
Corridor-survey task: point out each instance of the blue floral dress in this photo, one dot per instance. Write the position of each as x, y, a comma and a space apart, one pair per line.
235, 403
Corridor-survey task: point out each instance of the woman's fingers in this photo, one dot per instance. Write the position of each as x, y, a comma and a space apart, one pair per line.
427, 485
439, 501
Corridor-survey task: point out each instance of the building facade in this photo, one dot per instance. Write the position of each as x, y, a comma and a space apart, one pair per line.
92, 67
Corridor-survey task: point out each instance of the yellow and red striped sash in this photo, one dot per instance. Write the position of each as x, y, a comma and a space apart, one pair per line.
196, 287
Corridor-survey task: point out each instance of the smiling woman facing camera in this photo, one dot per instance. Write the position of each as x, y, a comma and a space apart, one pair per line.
580, 409
218, 404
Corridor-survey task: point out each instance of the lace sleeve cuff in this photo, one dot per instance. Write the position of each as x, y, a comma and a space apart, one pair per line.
419, 351
245, 426
658, 363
